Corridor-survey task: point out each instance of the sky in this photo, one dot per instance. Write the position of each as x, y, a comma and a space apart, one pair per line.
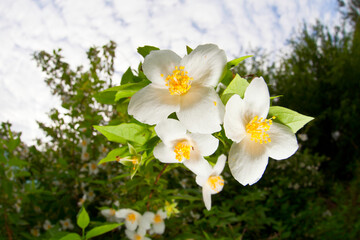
236, 26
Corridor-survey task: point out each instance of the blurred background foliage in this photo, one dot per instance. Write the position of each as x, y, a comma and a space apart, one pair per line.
312, 195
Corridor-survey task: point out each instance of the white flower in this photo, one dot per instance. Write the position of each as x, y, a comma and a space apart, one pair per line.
155, 220
131, 217
255, 137
211, 181
179, 146
90, 195
182, 85
66, 224
139, 235
47, 225
82, 200
85, 156
110, 215
35, 232
93, 168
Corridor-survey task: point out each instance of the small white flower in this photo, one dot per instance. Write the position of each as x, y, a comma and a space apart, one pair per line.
35, 232
66, 224
211, 181
82, 200
138, 235
85, 156
131, 217
182, 85
255, 137
47, 225
179, 146
110, 215
93, 168
155, 220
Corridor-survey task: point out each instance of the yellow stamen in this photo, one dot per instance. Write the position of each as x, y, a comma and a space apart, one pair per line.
137, 237
215, 182
112, 212
157, 218
131, 217
182, 150
215, 103
257, 128
93, 166
179, 82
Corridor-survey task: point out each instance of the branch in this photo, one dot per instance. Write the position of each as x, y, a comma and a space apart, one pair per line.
156, 181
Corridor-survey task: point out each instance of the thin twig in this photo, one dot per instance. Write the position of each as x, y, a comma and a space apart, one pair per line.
8, 229
156, 181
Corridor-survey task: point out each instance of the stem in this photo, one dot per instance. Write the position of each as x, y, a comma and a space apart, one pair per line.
156, 181
8, 229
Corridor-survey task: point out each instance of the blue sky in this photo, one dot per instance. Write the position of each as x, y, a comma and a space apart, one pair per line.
31, 25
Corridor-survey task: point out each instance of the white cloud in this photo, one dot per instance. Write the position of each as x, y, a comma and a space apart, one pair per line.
30, 25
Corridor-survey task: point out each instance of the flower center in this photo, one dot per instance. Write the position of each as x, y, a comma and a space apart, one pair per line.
131, 217
257, 128
137, 237
179, 82
157, 218
216, 183
93, 166
182, 150
112, 212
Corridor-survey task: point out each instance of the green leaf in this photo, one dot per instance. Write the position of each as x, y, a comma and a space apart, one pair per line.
145, 50
188, 49
111, 156
129, 89
237, 86
290, 118
125, 132
236, 61
127, 76
101, 230
83, 219
71, 236
105, 97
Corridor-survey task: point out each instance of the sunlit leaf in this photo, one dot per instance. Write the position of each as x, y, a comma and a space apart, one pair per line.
237, 86
83, 218
101, 230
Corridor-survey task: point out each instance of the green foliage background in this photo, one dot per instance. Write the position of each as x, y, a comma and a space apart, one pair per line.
312, 195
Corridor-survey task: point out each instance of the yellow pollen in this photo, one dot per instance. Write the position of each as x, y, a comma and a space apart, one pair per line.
66, 224
162, 75
134, 161
112, 212
157, 218
93, 166
215, 103
131, 217
179, 82
257, 128
137, 237
215, 181
182, 150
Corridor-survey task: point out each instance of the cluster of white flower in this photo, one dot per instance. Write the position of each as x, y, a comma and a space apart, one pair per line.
136, 224
186, 86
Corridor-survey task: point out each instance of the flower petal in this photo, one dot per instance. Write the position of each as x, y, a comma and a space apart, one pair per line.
205, 143
162, 213
206, 197
205, 64
247, 161
164, 153
146, 220
122, 213
151, 104
283, 142
202, 179
257, 98
129, 234
131, 225
201, 110
160, 62
170, 130
220, 164
234, 124
199, 166
159, 228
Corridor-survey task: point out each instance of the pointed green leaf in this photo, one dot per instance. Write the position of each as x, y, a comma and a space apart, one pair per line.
188, 50
127, 76
111, 156
237, 86
125, 132
145, 50
236, 61
83, 218
129, 89
71, 236
101, 230
288, 117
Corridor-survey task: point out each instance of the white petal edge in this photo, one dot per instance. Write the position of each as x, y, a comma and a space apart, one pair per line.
283, 142
206, 197
202, 179
201, 110
220, 164
162, 213
206, 143
247, 162
159, 228
151, 105
129, 234
199, 166
205, 64
257, 98
169, 130
234, 122
164, 153
160, 62
146, 220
